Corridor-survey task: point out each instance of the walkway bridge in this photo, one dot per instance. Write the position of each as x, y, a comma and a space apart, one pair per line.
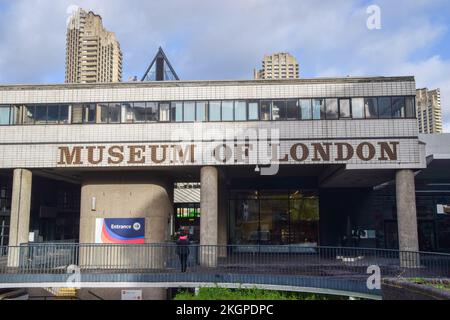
328, 270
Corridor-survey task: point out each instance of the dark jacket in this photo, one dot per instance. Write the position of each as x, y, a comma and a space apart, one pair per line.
182, 247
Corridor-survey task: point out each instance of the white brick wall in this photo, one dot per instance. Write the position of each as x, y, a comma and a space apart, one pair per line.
37, 146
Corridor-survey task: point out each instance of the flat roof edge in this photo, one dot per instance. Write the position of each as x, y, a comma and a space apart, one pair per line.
187, 83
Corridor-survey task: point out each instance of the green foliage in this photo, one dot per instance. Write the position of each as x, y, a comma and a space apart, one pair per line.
218, 293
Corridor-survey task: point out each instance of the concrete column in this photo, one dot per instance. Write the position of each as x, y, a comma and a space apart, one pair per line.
407, 217
209, 181
20, 214
222, 236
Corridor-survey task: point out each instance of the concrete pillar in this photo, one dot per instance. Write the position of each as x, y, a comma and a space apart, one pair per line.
20, 214
209, 184
222, 236
407, 218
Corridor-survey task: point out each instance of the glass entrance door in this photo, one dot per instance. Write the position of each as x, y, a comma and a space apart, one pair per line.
277, 217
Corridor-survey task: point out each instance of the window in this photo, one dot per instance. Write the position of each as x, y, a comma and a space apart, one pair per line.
40, 114
137, 112
53, 114
265, 110
358, 108
151, 111
177, 111
344, 108
201, 111
253, 110
214, 111
332, 109
384, 108
318, 106
164, 111
28, 116
291, 110
305, 109
102, 113
15, 115
398, 107
240, 111
410, 107
371, 107
278, 110
227, 111
64, 112
4, 115
114, 113
189, 111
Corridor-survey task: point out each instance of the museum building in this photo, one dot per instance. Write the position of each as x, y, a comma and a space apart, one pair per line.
308, 162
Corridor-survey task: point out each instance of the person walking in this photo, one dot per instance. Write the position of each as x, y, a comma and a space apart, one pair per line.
183, 251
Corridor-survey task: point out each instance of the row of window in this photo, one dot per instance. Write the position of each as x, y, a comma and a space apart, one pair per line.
202, 111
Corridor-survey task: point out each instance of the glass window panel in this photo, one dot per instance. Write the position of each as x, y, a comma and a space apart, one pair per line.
344, 108
77, 113
253, 110
318, 109
244, 221
189, 111
371, 107
384, 108
15, 115
279, 110
127, 112
410, 107
164, 111
64, 113
214, 111
332, 109
102, 113
137, 113
398, 107
151, 111
292, 110
90, 113
28, 115
4, 115
177, 111
240, 111
265, 110
114, 113
201, 111
305, 109
358, 108
227, 111
40, 114
53, 114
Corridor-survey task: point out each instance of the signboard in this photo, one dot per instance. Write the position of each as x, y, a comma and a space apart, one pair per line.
120, 230
131, 294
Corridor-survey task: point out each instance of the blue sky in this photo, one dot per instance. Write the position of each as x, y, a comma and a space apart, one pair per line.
207, 39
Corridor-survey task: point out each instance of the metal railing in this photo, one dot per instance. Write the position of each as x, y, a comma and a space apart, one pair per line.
338, 268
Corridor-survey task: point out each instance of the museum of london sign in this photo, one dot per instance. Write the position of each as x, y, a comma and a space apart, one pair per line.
220, 153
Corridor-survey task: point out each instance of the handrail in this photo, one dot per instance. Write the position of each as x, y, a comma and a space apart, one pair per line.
337, 268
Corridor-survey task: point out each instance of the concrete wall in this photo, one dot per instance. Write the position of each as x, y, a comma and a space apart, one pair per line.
126, 195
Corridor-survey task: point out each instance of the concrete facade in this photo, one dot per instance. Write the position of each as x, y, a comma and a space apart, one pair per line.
209, 202
406, 211
150, 154
119, 195
20, 213
429, 110
92, 53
